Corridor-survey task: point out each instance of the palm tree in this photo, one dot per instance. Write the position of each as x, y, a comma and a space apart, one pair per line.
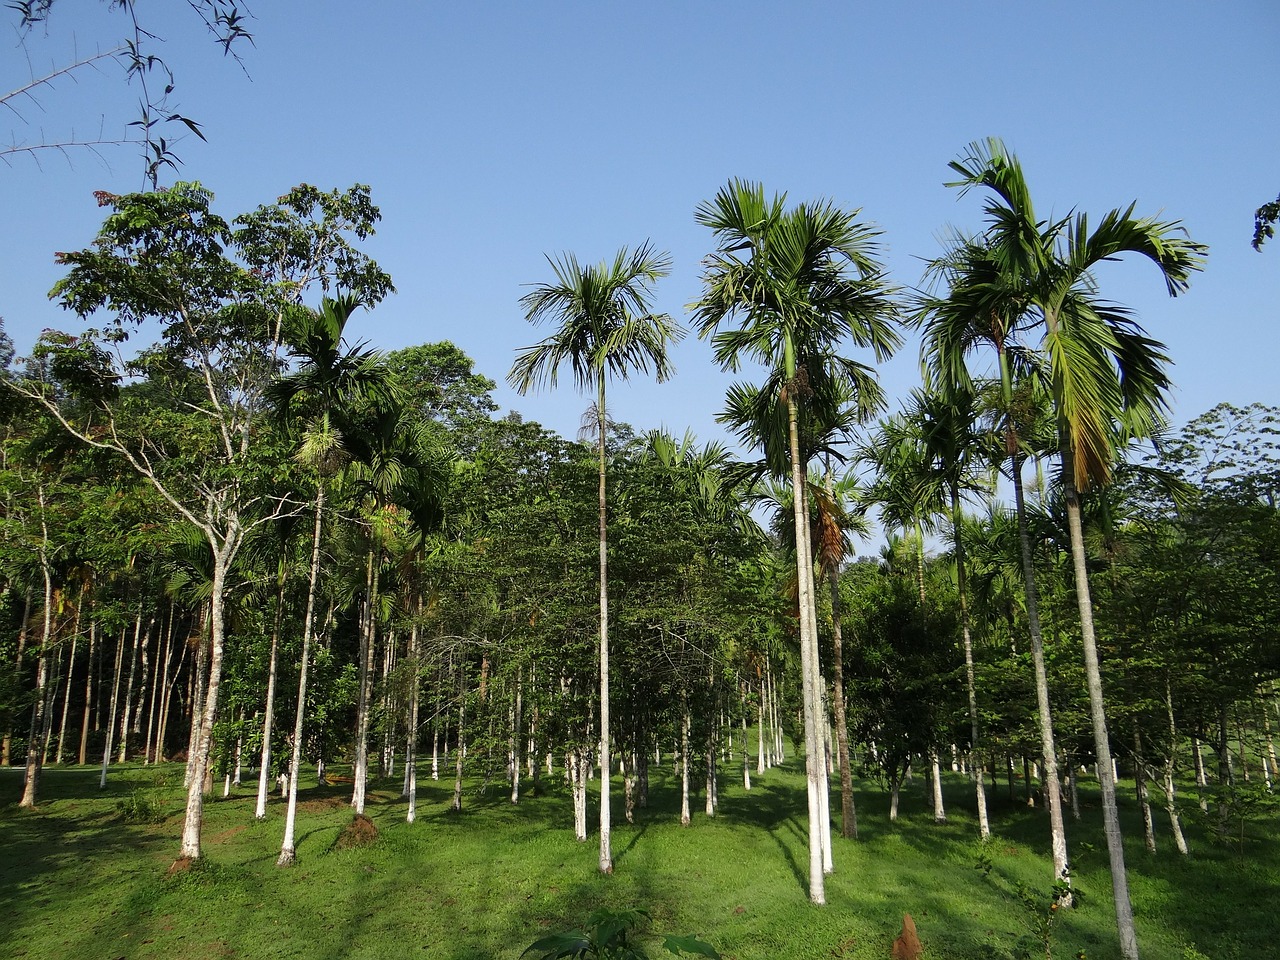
982, 307
802, 281
1106, 378
928, 457
332, 383
606, 327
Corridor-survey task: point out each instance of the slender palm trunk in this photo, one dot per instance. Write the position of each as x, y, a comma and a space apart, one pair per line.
1170, 766
66, 697
128, 690
411, 741
606, 853
517, 708
1143, 794
684, 766
287, 851
962, 592
1048, 752
848, 815
360, 774
804, 580
35, 752
1097, 714
6, 745
83, 756
111, 706
269, 709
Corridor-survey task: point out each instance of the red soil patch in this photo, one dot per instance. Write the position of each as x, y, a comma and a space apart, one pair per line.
321, 804
181, 865
226, 835
360, 832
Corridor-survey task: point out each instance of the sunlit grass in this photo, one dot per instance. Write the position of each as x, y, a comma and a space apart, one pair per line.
79, 880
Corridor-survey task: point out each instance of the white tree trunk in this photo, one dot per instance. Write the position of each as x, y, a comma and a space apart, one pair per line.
194, 819
1097, 713
685, 817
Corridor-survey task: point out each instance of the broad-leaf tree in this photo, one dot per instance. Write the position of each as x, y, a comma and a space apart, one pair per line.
219, 292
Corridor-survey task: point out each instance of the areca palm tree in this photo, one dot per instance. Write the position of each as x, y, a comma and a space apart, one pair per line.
1106, 378
982, 307
929, 457
607, 327
802, 282
323, 394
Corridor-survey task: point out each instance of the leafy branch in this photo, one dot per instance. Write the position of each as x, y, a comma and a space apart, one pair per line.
224, 19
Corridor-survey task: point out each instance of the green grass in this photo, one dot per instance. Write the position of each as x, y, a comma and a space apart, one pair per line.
78, 879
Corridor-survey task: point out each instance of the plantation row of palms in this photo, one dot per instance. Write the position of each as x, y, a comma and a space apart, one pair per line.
253, 491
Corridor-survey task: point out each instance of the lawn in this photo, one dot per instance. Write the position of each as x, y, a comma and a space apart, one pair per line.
79, 878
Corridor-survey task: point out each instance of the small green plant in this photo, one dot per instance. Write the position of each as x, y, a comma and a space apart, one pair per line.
1189, 952
983, 862
147, 804
1045, 911
609, 935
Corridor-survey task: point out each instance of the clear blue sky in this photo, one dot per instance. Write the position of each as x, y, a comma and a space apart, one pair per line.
492, 133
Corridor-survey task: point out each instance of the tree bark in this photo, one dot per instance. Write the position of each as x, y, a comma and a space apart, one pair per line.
808, 651
269, 708
1097, 714
1048, 752
288, 853
360, 774
35, 754
411, 740
606, 853
848, 815
83, 754
111, 707
194, 819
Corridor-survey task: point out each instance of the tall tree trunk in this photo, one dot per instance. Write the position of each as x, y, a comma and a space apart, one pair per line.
288, 853
460, 751
606, 852
83, 754
1097, 714
1048, 752
848, 815
1269, 766
1170, 767
269, 708
685, 723
164, 644
223, 555
162, 727
935, 776
144, 676
128, 689
6, 746
360, 774
971, 687
111, 707
411, 741
808, 654
517, 708
35, 752
1141, 792
761, 749
66, 695
196, 684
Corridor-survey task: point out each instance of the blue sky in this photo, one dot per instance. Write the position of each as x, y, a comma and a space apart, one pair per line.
494, 133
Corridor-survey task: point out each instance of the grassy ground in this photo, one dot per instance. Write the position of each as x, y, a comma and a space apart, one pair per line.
79, 879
